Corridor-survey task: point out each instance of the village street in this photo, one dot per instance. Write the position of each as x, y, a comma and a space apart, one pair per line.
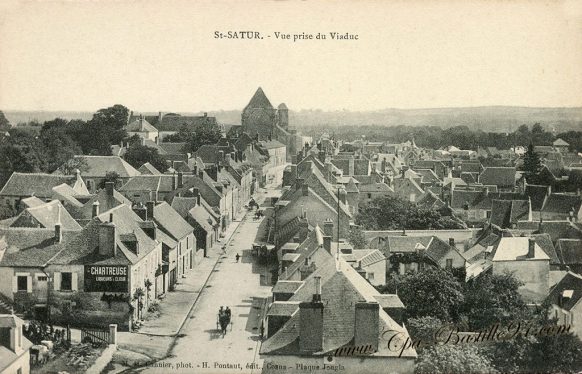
244, 287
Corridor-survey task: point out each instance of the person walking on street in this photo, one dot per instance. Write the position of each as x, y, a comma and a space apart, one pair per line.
237, 257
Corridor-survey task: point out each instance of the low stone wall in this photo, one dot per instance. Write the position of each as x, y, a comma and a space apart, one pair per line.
103, 360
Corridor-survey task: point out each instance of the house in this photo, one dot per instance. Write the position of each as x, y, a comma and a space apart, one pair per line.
369, 192
142, 128
570, 253
502, 177
562, 206
523, 257
44, 215
370, 263
506, 213
22, 185
97, 168
177, 237
407, 189
561, 145
201, 217
105, 199
564, 300
334, 309
107, 273
412, 253
148, 169
170, 123
14, 347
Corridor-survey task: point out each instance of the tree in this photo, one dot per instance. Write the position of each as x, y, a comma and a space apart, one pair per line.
4, 123
138, 155
356, 237
114, 120
449, 359
433, 292
494, 298
423, 328
531, 161
558, 354
182, 136
57, 145
207, 133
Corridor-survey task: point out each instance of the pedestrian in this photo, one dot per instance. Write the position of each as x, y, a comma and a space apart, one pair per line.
227, 312
237, 257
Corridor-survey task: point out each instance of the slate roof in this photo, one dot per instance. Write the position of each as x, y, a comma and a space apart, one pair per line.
498, 176
371, 258
31, 202
428, 176
99, 166
389, 301
34, 184
105, 201
571, 281
375, 187
430, 201
545, 243
560, 142
171, 222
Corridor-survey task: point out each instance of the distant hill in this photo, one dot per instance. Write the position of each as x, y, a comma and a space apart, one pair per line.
491, 118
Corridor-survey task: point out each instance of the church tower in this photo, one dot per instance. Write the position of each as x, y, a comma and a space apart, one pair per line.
283, 116
259, 117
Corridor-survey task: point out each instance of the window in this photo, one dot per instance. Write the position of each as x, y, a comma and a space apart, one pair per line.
370, 276
369, 196
449, 263
66, 281
19, 371
22, 282
42, 278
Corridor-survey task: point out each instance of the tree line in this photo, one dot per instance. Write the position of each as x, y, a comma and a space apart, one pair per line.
435, 137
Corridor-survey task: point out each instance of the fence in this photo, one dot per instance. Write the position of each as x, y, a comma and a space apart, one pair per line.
95, 336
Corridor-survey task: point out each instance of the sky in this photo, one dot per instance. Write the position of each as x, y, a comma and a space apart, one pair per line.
163, 56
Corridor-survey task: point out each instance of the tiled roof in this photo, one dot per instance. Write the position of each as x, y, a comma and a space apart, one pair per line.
99, 166
174, 122
259, 101
375, 187
537, 194
389, 301
272, 144
166, 239
339, 289
170, 221
34, 184
545, 243
105, 201
506, 212
560, 142
428, 176
284, 286
514, 249
148, 169
371, 258
140, 125
204, 219
32, 201
498, 176
47, 216
562, 203
474, 199
570, 282
31, 247
438, 249
570, 251
283, 308
173, 148
400, 244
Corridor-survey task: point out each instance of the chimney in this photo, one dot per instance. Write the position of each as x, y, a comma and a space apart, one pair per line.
531, 243
180, 179
59, 232
366, 325
305, 189
201, 174
150, 210
220, 156
317, 294
328, 227
141, 211
107, 246
322, 156
229, 157
327, 243
196, 193
300, 182
342, 195
109, 188
452, 242
351, 166
311, 326
95, 211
